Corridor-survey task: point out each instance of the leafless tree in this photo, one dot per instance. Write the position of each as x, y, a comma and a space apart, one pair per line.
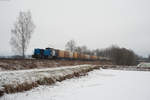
84, 49
21, 34
149, 57
78, 49
71, 45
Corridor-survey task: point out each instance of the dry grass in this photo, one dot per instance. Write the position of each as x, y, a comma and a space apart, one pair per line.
19, 64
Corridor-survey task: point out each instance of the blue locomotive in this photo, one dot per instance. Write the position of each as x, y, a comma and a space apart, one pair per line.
47, 53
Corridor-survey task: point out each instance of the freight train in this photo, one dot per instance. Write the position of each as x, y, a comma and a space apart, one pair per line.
51, 53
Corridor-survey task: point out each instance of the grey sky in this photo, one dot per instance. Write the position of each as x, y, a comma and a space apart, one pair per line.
95, 23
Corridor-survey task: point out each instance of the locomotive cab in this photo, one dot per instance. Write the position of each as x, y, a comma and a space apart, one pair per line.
38, 53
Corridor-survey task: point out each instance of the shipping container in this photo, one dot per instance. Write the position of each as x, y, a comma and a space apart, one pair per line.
60, 54
71, 55
93, 57
87, 57
66, 55
82, 56
75, 55
79, 56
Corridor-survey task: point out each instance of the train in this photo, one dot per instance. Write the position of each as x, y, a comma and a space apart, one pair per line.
51, 53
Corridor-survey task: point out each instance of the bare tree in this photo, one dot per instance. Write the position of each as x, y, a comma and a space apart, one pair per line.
149, 57
21, 34
71, 45
78, 49
84, 49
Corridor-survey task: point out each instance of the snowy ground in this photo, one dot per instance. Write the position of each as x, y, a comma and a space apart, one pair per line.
98, 85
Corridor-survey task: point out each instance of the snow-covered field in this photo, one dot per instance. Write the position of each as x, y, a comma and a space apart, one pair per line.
98, 85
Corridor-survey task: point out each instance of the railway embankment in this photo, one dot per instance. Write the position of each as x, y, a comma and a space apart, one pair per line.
22, 64
23, 80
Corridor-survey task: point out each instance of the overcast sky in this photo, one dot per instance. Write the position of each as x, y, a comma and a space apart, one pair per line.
94, 23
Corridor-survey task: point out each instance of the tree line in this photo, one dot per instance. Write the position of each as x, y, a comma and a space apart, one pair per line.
119, 56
